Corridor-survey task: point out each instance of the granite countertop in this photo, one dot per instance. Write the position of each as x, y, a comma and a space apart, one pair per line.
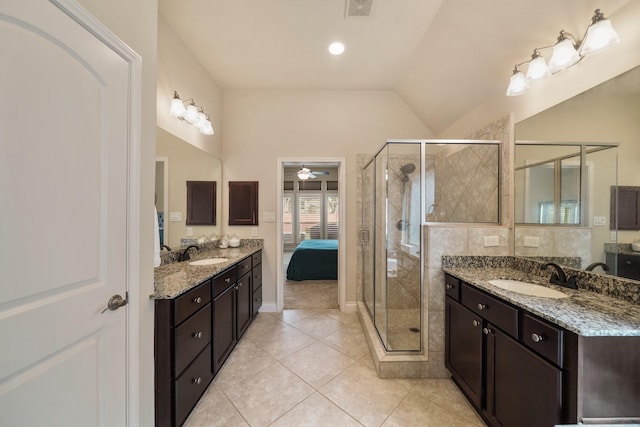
174, 279
620, 248
585, 313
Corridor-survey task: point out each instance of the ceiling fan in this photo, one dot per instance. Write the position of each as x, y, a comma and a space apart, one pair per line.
306, 173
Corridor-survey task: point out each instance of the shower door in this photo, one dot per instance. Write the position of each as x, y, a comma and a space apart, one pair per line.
366, 235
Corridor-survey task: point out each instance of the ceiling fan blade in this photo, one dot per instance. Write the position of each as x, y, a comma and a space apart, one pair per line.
311, 175
320, 172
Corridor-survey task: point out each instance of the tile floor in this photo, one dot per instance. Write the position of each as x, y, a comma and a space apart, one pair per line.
311, 367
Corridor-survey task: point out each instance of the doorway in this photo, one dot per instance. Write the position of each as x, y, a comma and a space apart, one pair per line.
310, 268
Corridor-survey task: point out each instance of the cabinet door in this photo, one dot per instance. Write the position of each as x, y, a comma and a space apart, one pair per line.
224, 327
522, 388
463, 349
243, 203
244, 296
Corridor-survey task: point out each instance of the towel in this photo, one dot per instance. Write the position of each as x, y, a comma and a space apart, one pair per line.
156, 239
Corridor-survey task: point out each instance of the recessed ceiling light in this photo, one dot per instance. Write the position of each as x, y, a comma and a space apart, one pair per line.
336, 48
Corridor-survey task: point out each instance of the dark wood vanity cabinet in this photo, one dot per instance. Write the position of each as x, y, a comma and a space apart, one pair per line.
520, 370
624, 265
196, 332
182, 353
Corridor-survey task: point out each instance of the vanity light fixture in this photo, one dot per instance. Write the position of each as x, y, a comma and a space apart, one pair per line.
192, 114
567, 51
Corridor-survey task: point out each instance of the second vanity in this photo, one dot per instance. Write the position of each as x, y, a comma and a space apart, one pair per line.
203, 306
533, 361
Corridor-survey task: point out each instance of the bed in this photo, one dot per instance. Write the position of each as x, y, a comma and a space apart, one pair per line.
314, 260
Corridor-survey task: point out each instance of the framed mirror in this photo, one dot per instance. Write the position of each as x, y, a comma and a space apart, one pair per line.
605, 114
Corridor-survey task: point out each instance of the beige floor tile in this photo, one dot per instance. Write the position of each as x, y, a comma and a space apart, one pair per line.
318, 326
265, 322
317, 363
421, 411
282, 342
318, 411
364, 396
444, 392
246, 360
214, 409
296, 314
348, 340
266, 396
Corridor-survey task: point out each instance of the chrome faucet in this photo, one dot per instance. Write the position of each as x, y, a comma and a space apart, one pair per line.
185, 254
558, 277
604, 266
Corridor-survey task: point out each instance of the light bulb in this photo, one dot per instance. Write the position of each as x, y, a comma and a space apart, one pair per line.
336, 48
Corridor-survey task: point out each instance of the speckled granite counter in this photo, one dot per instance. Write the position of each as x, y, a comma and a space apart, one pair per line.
620, 248
584, 312
176, 278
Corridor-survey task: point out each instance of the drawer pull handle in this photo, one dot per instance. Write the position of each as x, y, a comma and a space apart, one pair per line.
536, 337
487, 331
197, 380
449, 286
475, 322
197, 300
482, 306
197, 334
227, 280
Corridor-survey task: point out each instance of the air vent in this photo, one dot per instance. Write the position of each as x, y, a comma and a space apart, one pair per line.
359, 8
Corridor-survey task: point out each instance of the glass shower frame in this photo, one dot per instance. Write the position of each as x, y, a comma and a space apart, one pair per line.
385, 226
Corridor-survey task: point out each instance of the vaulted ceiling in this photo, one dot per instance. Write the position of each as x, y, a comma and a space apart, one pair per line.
442, 57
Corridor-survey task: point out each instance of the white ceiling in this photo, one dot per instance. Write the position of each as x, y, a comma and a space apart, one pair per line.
442, 57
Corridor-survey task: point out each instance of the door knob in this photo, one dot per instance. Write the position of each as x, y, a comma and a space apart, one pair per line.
115, 302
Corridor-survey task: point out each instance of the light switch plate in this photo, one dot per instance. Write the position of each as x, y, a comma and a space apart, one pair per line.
531, 242
490, 241
599, 220
269, 216
175, 216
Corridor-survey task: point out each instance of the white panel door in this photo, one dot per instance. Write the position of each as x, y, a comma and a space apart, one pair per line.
63, 224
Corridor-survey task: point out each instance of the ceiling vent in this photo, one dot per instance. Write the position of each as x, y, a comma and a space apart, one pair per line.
358, 8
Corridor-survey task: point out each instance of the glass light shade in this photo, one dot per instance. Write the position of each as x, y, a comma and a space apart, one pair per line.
304, 175
191, 115
201, 120
537, 69
600, 36
177, 108
207, 129
564, 56
517, 84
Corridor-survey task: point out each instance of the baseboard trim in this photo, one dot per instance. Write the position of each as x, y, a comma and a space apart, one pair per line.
350, 307
269, 307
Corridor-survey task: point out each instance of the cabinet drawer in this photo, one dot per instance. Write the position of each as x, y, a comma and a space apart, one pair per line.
256, 258
543, 338
243, 267
192, 301
223, 280
257, 300
191, 384
191, 337
452, 287
501, 314
257, 277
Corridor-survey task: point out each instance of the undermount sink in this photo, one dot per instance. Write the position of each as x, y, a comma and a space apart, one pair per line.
209, 261
527, 288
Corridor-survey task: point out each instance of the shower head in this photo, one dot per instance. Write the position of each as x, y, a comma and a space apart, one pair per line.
408, 168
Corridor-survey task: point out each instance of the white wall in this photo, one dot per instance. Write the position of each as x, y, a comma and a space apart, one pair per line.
564, 85
136, 24
178, 70
261, 126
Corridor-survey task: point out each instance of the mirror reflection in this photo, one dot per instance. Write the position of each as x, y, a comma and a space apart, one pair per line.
570, 216
178, 162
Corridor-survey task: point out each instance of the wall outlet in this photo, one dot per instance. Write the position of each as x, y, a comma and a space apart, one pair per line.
269, 217
490, 241
189, 231
175, 216
254, 231
599, 220
531, 242
614, 236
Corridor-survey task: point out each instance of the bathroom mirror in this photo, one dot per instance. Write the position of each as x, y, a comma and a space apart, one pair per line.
607, 113
185, 163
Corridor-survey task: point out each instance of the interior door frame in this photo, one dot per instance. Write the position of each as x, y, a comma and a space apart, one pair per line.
100, 31
342, 241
